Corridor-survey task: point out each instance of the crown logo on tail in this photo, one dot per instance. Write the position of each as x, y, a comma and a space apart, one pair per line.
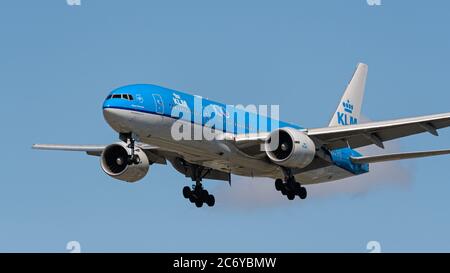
348, 107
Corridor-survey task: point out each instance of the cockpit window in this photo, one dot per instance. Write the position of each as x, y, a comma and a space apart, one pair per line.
121, 96
108, 97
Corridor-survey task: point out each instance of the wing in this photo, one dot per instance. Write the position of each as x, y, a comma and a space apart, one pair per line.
89, 149
377, 132
354, 136
96, 150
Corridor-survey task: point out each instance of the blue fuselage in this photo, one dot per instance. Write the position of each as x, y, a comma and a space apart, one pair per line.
156, 100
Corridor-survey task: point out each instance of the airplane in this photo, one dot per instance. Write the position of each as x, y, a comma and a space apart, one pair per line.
294, 156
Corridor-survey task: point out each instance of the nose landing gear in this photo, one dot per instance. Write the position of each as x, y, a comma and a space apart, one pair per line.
133, 158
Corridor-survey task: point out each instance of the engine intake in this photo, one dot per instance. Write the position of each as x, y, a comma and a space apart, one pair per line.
290, 148
115, 162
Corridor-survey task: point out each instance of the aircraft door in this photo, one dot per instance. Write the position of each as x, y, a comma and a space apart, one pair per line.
159, 103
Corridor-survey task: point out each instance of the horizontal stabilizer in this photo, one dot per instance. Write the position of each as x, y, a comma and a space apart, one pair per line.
398, 156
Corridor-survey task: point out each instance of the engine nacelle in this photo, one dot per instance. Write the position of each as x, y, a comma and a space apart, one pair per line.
114, 162
293, 149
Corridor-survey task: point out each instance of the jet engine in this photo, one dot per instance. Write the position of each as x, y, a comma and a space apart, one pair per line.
290, 148
116, 162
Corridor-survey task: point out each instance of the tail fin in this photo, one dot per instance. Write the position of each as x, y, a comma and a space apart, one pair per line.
349, 108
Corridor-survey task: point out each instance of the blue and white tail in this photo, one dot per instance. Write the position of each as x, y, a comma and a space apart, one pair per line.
349, 109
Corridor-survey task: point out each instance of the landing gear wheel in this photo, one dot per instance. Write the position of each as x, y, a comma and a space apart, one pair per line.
204, 194
199, 203
192, 198
279, 184
290, 188
196, 194
210, 201
290, 196
187, 192
302, 193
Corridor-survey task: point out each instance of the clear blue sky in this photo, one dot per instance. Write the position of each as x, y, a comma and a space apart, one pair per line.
58, 63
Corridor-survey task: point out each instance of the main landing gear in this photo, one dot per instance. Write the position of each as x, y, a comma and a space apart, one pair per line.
197, 194
289, 186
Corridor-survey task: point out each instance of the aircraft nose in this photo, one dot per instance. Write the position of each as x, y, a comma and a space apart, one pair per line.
115, 119
108, 114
